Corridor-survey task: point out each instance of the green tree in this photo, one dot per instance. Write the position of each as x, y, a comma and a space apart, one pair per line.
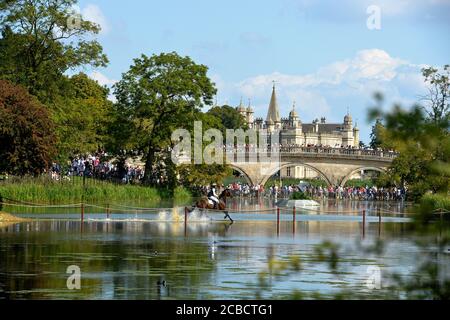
424, 147
437, 104
157, 95
203, 175
229, 116
375, 135
192, 175
83, 116
41, 40
26, 132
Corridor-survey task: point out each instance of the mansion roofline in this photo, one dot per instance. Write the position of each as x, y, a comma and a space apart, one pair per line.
293, 131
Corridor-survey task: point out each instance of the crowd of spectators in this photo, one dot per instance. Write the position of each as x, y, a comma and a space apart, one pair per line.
100, 166
96, 166
356, 193
315, 192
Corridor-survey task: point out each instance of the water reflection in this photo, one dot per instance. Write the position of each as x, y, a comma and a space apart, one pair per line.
118, 260
235, 205
140, 256
326, 206
160, 260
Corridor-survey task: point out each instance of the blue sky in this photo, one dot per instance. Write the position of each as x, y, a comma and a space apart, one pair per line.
320, 53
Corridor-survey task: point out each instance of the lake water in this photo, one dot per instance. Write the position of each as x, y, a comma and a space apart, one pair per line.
152, 255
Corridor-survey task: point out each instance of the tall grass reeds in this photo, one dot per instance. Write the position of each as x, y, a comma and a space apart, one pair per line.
44, 190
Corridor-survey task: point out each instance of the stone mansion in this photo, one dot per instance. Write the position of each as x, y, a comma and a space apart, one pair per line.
294, 132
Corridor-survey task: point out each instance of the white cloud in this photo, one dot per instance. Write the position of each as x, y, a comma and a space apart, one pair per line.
367, 65
373, 64
331, 89
94, 14
224, 89
102, 79
313, 104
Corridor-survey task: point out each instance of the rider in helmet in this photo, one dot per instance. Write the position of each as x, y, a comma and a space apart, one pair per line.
212, 195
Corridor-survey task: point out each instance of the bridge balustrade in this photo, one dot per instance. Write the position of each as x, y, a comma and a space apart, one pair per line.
313, 150
344, 151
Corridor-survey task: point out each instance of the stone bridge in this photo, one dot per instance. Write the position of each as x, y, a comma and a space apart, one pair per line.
335, 166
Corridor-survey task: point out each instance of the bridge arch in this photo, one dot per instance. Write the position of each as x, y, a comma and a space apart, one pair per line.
294, 164
348, 176
242, 171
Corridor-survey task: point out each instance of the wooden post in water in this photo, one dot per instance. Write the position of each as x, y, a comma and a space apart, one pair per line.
379, 222
364, 223
294, 218
82, 200
278, 221
185, 220
107, 211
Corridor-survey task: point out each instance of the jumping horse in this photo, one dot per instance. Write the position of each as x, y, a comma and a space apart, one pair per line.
205, 203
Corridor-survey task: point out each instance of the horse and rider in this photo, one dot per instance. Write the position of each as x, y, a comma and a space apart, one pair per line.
212, 195
213, 201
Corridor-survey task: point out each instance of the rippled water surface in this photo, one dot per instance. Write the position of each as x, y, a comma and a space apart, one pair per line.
154, 256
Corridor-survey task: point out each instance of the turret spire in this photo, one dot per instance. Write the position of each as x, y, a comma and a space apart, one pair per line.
273, 115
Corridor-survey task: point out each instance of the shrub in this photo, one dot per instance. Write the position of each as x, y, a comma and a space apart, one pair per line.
299, 196
430, 205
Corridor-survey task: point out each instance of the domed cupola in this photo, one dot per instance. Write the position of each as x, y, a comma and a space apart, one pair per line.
293, 115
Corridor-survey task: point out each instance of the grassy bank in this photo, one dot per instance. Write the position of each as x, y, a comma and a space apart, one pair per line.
182, 195
46, 191
434, 202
